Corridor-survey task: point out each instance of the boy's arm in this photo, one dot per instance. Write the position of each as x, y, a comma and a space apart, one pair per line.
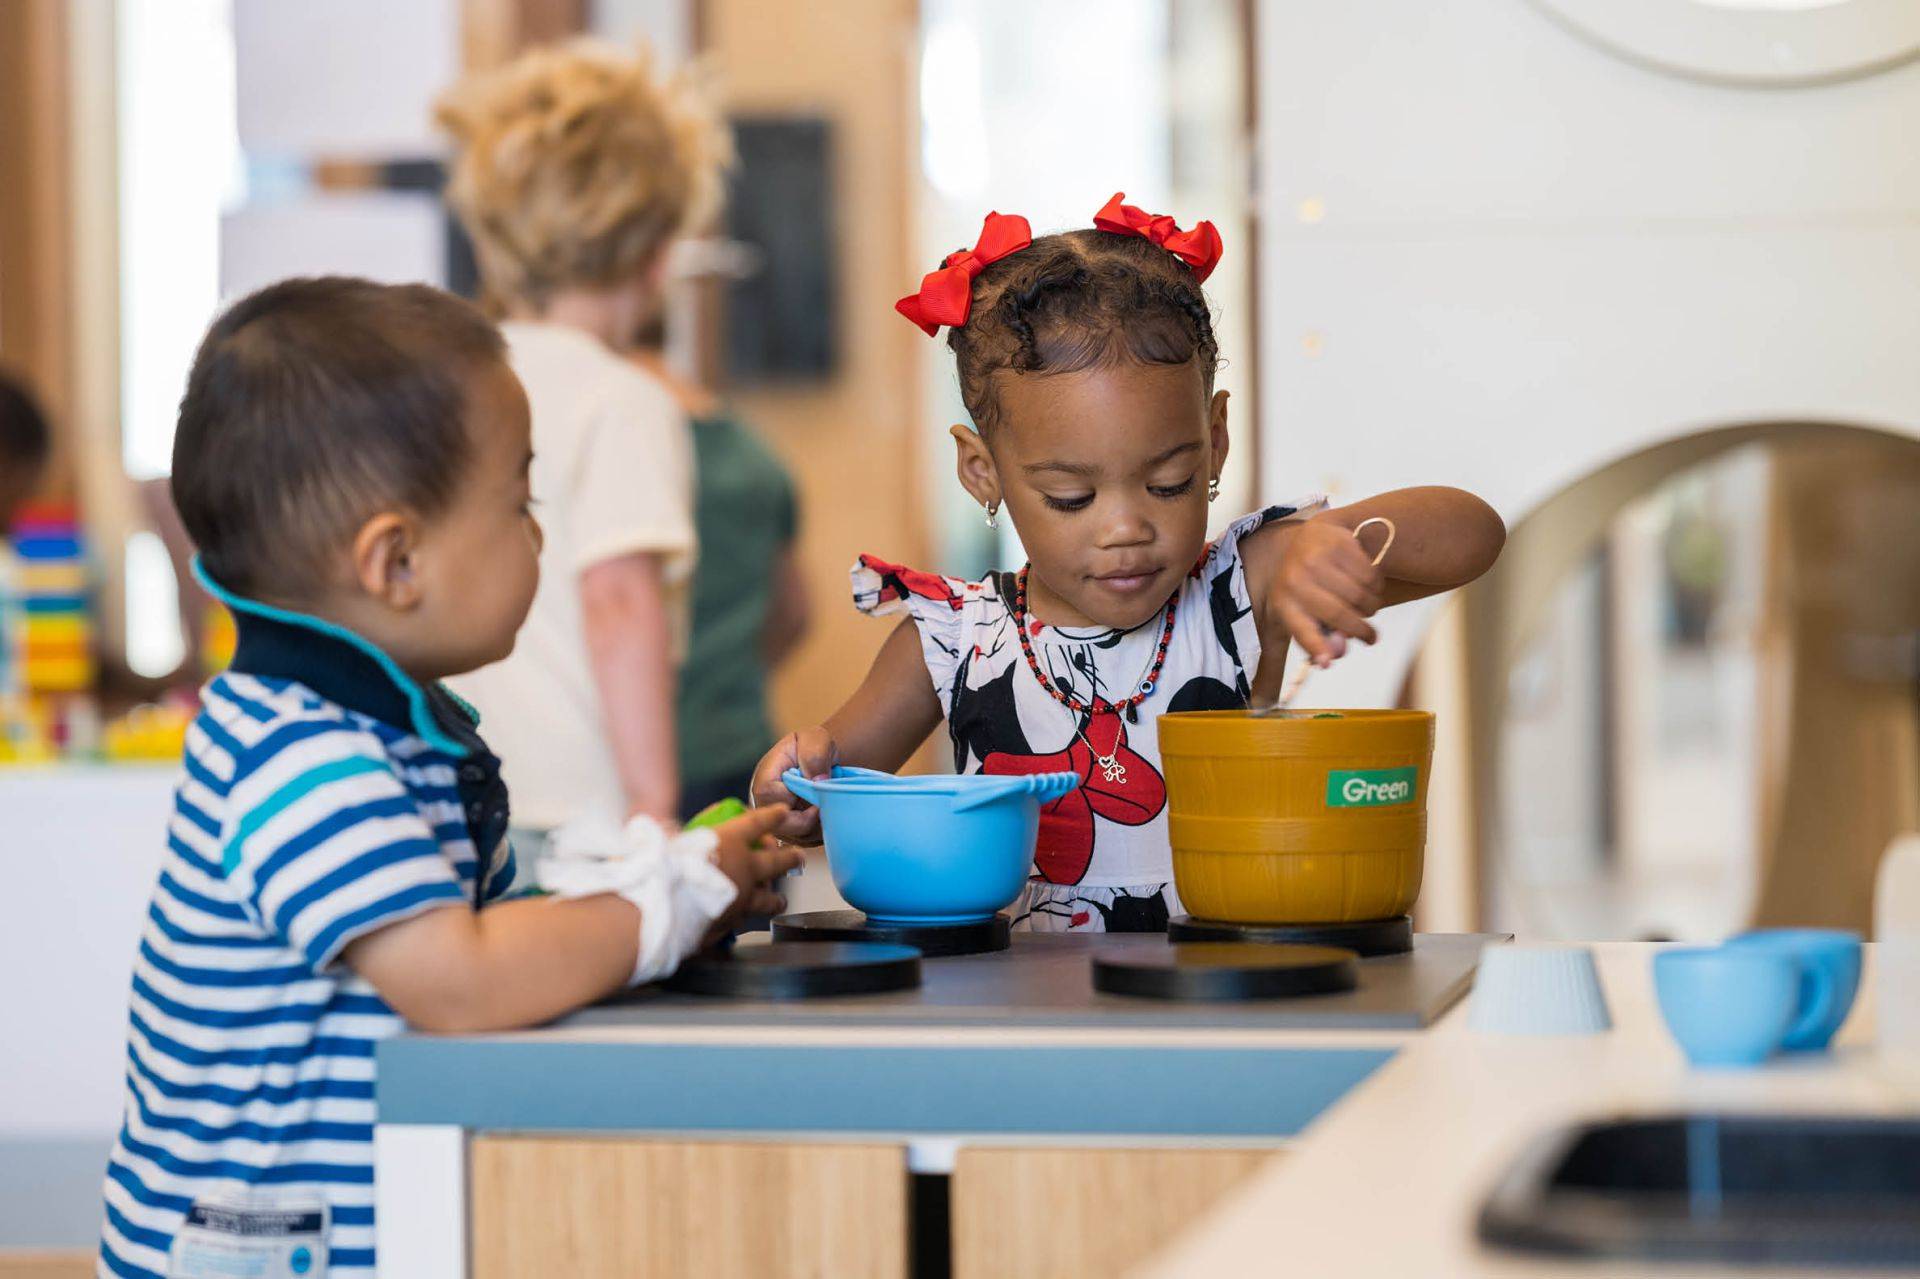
629, 647
528, 960
516, 963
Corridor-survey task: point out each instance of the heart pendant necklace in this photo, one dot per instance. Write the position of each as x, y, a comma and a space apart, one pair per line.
1110, 766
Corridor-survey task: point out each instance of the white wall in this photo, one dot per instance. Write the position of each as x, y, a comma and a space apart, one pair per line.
83, 847
1495, 255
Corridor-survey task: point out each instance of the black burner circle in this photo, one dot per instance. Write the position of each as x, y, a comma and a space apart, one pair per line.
799, 970
1225, 971
1365, 938
935, 941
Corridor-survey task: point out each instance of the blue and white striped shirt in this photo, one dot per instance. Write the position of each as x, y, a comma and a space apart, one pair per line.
305, 819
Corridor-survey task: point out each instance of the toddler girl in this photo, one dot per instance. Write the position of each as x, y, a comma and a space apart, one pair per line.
1086, 360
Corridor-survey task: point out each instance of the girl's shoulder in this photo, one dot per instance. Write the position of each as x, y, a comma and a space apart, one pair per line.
885, 589
953, 616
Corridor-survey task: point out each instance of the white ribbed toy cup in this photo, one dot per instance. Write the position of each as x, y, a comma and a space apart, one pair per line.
1538, 990
1896, 958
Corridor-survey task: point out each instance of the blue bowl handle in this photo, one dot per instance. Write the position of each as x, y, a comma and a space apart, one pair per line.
1054, 785
988, 792
796, 782
1818, 991
1045, 787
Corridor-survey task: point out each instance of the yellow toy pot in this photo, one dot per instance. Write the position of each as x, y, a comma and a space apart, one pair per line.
1303, 817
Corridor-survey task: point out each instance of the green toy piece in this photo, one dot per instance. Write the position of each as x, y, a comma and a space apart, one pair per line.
716, 814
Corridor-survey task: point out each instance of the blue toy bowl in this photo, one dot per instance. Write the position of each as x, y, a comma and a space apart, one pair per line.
929, 850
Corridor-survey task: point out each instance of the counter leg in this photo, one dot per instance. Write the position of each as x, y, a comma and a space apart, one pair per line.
420, 1200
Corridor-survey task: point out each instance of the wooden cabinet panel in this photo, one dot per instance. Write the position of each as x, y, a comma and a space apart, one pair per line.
46, 1265
595, 1208
1057, 1214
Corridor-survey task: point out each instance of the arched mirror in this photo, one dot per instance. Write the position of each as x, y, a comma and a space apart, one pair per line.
1761, 43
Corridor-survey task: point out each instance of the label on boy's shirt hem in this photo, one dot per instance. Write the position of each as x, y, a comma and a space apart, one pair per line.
225, 1239
1371, 787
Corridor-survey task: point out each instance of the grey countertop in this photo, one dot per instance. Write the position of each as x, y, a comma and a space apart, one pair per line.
1045, 979
1013, 1043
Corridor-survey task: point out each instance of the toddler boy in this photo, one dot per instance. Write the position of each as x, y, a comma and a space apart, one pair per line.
351, 462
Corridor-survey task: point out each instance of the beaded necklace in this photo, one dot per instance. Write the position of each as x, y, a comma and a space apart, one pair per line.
1129, 706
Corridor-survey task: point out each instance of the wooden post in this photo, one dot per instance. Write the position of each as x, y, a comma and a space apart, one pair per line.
493, 31
36, 216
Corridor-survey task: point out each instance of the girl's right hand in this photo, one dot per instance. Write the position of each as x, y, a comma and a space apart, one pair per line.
813, 752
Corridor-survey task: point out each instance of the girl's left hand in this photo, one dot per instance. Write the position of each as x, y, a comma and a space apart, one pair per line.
1325, 590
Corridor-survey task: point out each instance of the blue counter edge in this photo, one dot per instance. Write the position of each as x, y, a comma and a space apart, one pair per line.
500, 1085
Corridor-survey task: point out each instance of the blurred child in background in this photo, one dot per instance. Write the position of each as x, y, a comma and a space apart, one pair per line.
575, 170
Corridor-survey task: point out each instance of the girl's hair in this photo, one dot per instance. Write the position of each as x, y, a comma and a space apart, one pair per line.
578, 164
1080, 300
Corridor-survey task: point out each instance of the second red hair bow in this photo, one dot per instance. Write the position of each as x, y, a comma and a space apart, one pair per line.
1199, 248
946, 295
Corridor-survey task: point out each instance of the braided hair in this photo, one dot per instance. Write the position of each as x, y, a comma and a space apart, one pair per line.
1080, 300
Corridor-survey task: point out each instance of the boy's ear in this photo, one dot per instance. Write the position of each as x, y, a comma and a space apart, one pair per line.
383, 560
974, 464
1217, 431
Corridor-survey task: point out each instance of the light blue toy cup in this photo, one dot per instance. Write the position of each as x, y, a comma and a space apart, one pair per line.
929, 850
1729, 1006
1829, 980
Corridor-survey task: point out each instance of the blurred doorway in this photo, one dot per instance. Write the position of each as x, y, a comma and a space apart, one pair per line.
1695, 687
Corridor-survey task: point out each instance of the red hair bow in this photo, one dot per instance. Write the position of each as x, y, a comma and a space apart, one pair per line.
1199, 248
946, 295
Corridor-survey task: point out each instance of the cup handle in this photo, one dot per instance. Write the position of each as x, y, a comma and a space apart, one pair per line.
796, 782
1818, 991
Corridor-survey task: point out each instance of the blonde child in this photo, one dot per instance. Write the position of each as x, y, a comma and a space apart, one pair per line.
575, 170
1086, 360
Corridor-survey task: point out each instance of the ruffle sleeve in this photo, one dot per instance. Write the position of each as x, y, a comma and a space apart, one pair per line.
938, 606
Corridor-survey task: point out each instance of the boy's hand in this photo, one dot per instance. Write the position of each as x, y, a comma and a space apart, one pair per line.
1326, 589
745, 857
813, 752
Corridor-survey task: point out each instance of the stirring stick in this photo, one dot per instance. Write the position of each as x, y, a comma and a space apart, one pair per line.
1291, 689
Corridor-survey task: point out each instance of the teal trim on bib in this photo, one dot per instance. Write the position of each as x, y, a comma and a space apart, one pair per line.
419, 711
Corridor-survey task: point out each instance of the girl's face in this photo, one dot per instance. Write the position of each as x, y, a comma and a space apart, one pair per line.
1105, 474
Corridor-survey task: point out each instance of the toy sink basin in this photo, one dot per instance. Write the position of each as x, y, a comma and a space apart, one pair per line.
929, 850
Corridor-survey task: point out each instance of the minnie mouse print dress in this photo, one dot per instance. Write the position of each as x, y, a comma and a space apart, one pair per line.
1102, 862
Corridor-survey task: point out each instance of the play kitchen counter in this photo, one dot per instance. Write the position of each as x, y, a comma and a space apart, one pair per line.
1055, 1130
1390, 1181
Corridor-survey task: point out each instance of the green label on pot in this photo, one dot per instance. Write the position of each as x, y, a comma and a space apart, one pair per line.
1370, 787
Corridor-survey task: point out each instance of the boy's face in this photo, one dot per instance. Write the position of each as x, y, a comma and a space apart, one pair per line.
478, 562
